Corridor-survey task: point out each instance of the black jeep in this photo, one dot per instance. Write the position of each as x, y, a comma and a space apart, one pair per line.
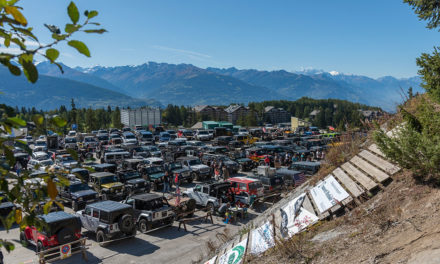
108, 220
133, 181
184, 173
78, 194
151, 211
5, 206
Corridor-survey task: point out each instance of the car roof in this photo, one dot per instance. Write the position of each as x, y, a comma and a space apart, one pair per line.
307, 163
146, 196
242, 179
78, 169
108, 206
56, 217
101, 174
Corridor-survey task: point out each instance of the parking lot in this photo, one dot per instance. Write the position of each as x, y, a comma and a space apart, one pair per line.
228, 176
166, 245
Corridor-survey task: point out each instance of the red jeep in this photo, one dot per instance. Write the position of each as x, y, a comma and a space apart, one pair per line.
247, 185
58, 228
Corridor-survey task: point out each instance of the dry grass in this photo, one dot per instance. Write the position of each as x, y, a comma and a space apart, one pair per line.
338, 154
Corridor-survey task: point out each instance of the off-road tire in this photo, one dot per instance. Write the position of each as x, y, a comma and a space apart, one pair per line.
40, 247
190, 180
195, 176
126, 224
155, 187
63, 233
74, 206
101, 237
143, 225
23, 240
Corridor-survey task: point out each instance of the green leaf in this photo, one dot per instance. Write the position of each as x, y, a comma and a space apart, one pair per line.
59, 121
95, 23
16, 121
27, 32
9, 156
73, 153
60, 205
19, 43
7, 42
38, 119
14, 69
99, 31
30, 71
52, 54
70, 28
46, 207
80, 47
59, 37
73, 12
92, 14
18, 16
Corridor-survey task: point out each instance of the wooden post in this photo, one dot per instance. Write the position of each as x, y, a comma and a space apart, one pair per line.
247, 244
273, 224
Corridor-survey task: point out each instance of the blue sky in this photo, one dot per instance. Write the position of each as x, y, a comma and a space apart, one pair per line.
374, 38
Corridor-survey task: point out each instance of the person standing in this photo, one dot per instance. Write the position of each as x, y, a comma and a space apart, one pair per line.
166, 182
18, 168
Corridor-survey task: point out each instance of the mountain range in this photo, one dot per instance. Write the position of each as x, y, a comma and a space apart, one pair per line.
158, 84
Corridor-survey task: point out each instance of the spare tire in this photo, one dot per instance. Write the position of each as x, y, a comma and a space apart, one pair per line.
126, 224
191, 205
65, 235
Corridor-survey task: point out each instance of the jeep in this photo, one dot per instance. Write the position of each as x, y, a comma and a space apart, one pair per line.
57, 228
133, 181
107, 185
108, 220
78, 194
151, 211
184, 173
154, 175
211, 195
198, 170
5, 206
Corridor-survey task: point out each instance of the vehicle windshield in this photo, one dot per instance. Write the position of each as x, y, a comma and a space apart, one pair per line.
203, 133
103, 137
153, 148
129, 136
70, 140
255, 185
174, 166
78, 187
112, 136
165, 135
194, 162
108, 179
156, 169
139, 149
46, 163
147, 136
130, 175
89, 139
40, 143
42, 157
67, 159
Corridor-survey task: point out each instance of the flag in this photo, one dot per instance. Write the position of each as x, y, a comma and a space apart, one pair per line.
299, 179
177, 196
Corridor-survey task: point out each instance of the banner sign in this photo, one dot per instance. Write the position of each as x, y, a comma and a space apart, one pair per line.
328, 193
211, 261
262, 238
235, 255
294, 217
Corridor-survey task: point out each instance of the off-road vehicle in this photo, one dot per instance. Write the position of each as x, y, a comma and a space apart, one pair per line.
211, 195
57, 228
107, 185
133, 181
199, 171
154, 175
78, 194
108, 220
6, 207
151, 211
184, 173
